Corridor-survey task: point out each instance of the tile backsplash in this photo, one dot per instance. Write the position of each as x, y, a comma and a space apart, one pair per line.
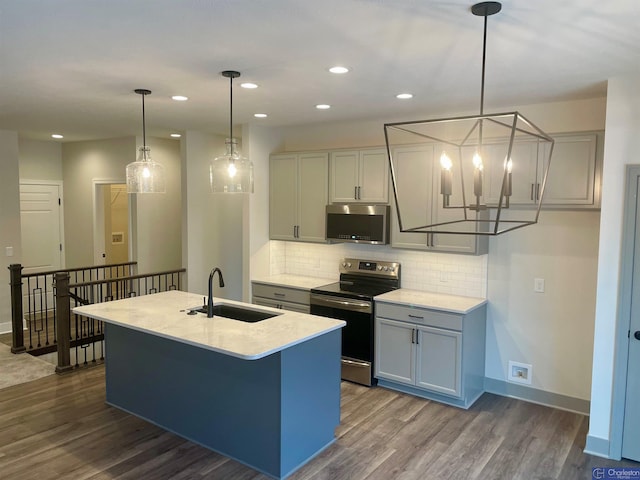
428, 271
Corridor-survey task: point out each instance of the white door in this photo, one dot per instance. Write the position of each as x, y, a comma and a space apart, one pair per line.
631, 432
40, 228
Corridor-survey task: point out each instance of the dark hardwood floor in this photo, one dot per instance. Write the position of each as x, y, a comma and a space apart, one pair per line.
60, 427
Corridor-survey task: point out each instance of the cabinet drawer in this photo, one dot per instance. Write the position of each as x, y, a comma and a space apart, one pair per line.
419, 316
281, 293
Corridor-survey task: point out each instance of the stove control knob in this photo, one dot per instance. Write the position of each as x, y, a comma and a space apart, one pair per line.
391, 269
348, 265
385, 268
344, 264
379, 267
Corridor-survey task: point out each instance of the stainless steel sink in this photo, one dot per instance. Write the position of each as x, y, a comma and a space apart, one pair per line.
234, 312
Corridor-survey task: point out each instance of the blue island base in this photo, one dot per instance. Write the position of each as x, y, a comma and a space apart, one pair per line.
273, 414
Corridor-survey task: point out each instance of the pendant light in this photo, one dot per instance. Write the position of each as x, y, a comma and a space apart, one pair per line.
144, 175
489, 153
231, 172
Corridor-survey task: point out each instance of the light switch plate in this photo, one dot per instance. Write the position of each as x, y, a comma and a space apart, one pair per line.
8, 251
538, 285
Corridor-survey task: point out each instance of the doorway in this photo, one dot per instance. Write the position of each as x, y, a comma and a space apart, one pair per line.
111, 223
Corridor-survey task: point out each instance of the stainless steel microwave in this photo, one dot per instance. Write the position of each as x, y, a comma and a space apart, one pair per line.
358, 223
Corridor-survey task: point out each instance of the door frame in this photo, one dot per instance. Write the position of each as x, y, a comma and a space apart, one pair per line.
623, 321
57, 183
98, 214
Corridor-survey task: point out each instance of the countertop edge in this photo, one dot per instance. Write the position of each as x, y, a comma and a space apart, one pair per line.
230, 353
479, 302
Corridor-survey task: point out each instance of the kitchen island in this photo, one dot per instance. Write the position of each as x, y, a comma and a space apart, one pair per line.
266, 394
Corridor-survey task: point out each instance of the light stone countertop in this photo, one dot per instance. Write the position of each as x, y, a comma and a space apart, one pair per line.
294, 281
435, 301
164, 314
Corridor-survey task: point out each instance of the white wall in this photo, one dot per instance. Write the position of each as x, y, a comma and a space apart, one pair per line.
543, 330
258, 143
40, 160
158, 218
9, 219
622, 145
212, 224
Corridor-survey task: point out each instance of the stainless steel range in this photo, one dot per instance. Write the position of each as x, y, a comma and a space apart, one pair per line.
351, 300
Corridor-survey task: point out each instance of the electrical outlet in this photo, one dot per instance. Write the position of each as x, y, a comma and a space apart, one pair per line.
8, 251
519, 372
538, 285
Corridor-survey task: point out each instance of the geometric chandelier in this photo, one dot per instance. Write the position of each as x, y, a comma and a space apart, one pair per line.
469, 169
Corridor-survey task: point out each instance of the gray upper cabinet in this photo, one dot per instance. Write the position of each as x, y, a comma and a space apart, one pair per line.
359, 176
298, 194
574, 176
415, 167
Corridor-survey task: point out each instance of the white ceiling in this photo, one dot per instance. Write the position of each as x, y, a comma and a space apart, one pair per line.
70, 66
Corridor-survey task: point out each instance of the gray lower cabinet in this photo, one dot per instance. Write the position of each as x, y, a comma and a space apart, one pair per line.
285, 298
430, 353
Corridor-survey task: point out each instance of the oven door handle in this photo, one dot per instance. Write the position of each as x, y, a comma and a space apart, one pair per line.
341, 303
355, 363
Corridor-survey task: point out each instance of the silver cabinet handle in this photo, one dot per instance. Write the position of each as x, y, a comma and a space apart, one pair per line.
418, 317
417, 337
413, 332
429, 239
359, 193
278, 294
355, 193
532, 186
537, 191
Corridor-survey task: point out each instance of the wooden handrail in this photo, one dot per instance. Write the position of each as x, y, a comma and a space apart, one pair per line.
130, 277
78, 269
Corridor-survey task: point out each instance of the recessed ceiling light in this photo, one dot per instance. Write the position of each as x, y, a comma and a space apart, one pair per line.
260, 115
323, 106
57, 135
404, 96
180, 98
248, 85
338, 69
176, 135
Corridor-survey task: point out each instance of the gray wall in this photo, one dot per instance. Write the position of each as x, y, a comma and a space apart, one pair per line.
157, 236
40, 160
9, 219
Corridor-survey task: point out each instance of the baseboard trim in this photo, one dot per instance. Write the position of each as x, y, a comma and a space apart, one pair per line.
597, 446
534, 395
5, 327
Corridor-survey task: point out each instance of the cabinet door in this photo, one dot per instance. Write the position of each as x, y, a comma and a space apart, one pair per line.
572, 172
373, 184
439, 360
524, 174
344, 176
446, 242
395, 355
283, 187
413, 171
313, 171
